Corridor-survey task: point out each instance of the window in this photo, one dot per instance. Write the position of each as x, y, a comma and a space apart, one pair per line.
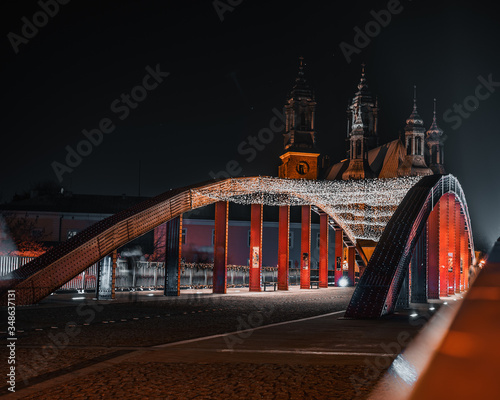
408, 147
358, 148
213, 237
317, 240
248, 239
72, 233
418, 145
303, 121
290, 239
183, 235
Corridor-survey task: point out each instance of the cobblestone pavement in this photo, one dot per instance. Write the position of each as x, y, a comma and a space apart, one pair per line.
212, 381
119, 328
147, 323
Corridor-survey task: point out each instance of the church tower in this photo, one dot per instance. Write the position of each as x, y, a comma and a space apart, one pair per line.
363, 101
358, 167
434, 143
300, 159
414, 162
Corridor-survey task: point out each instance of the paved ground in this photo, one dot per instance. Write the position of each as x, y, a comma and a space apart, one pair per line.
130, 348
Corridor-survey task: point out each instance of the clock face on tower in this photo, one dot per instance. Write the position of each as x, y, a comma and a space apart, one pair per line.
302, 168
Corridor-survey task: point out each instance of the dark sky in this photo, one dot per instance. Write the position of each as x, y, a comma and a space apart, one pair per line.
226, 77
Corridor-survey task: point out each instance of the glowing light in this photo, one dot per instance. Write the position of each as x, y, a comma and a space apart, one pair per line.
362, 208
414, 315
343, 282
445, 303
78, 298
432, 308
405, 370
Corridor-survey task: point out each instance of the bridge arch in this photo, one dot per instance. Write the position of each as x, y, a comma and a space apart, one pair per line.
379, 287
37, 279
42, 276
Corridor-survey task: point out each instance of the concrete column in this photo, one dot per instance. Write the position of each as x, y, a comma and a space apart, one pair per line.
283, 247
256, 247
338, 255
104, 279
323, 250
305, 245
351, 262
114, 257
173, 237
220, 247
432, 227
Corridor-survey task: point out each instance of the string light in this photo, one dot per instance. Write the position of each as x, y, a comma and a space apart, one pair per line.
361, 207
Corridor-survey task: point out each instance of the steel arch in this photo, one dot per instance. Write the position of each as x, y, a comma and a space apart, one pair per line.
45, 274
378, 289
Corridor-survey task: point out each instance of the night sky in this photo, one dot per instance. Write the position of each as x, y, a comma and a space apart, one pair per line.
226, 77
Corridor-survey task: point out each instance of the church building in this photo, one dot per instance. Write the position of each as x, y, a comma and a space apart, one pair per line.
419, 153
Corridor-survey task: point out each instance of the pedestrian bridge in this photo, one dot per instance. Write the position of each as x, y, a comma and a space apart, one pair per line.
392, 212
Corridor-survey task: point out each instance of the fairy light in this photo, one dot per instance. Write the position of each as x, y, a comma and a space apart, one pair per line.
361, 207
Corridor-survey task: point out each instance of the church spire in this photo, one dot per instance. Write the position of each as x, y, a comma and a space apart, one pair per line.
414, 163
434, 142
301, 88
300, 159
434, 131
364, 103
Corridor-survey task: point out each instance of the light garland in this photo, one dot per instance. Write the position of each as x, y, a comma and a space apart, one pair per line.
361, 207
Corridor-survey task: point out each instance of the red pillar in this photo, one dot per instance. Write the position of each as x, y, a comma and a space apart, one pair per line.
432, 227
323, 250
220, 247
255, 247
464, 251
305, 246
452, 256
283, 247
442, 207
458, 253
338, 255
351, 262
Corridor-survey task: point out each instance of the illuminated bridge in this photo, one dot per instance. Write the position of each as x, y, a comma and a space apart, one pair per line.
417, 222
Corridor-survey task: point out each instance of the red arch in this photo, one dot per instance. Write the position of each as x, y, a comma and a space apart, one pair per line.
379, 287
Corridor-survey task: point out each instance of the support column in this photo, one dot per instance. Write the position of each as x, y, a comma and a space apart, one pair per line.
255, 247
339, 253
173, 239
114, 257
465, 253
432, 228
220, 247
104, 279
452, 255
283, 247
419, 270
351, 263
305, 246
443, 246
458, 253
323, 250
